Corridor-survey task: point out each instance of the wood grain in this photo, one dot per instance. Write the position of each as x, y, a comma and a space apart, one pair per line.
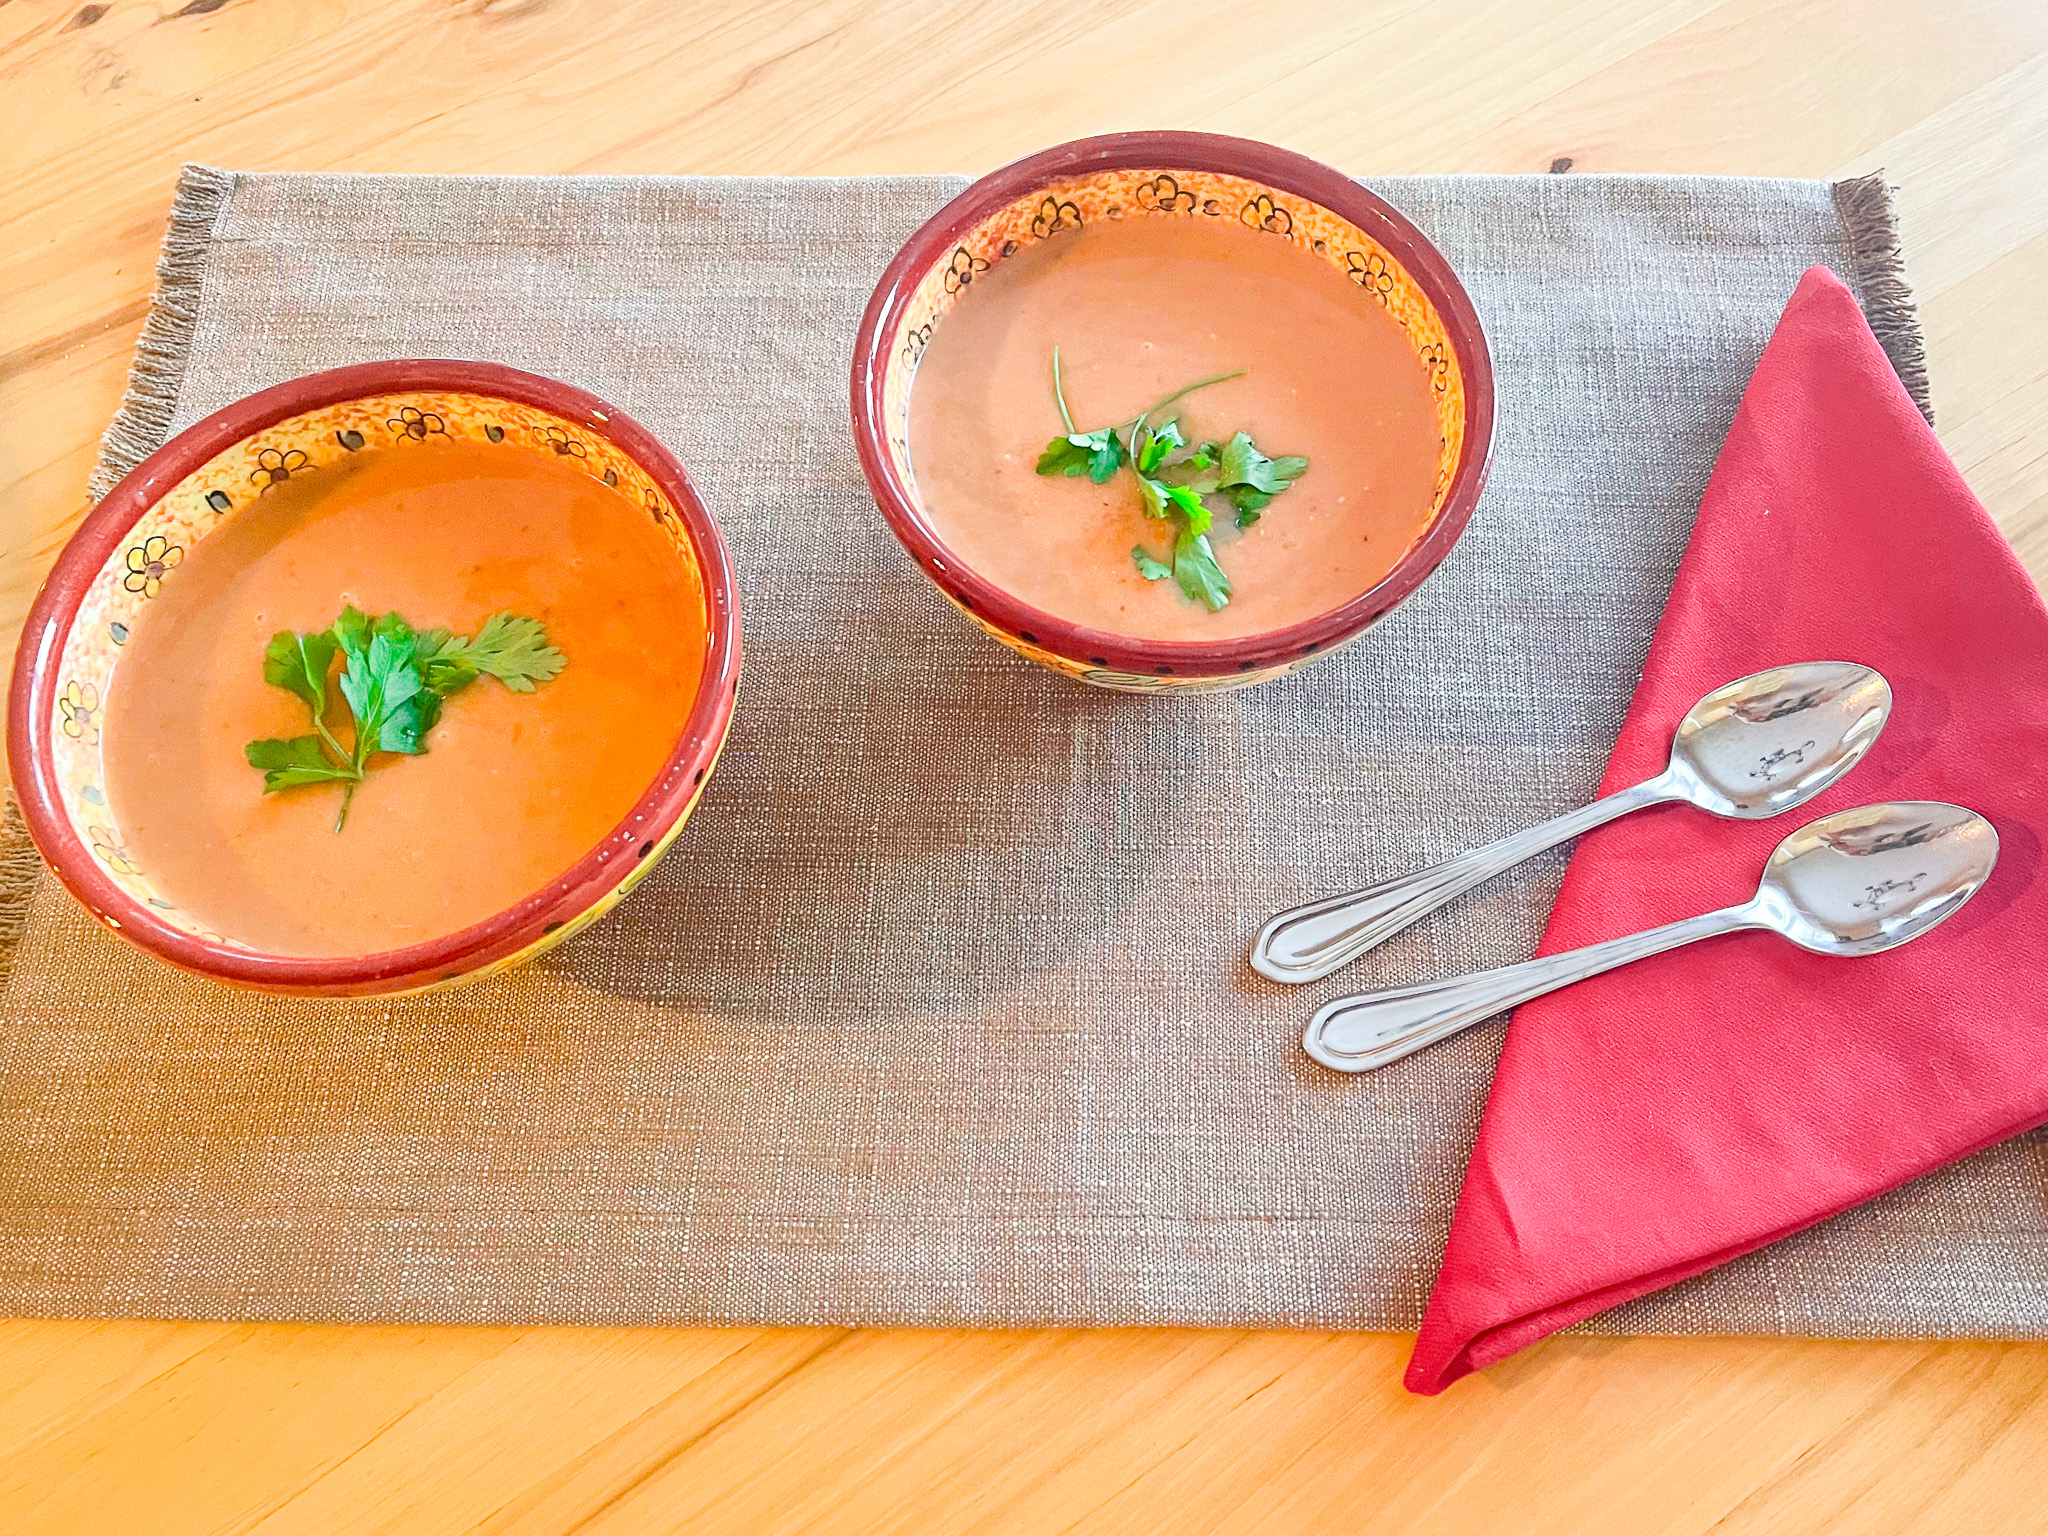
138, 1428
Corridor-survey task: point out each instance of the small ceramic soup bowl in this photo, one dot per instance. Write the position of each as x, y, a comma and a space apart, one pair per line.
212, 472
1153, 176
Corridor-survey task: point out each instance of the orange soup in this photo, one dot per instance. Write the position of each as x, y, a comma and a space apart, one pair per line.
510, 790
1138, 309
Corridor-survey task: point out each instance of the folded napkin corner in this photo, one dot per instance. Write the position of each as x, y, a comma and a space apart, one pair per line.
1655, 1122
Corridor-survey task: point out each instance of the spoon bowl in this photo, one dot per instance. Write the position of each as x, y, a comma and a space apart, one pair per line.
1773, 740
1863, 881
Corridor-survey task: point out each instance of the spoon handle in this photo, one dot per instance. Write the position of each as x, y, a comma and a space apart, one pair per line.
1308, 943
1357, 1034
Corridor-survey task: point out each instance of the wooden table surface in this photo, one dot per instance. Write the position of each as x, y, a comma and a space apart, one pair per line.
137, 1428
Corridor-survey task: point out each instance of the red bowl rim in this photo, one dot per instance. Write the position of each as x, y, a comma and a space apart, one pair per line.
589, 880
1169, 150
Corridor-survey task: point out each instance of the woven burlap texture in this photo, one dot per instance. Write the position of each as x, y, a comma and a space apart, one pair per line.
938, 1012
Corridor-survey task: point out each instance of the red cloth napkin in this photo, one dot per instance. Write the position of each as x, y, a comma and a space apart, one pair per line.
1654, 1122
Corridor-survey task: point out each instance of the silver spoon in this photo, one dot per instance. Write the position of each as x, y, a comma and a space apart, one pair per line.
1755, 748
1854, 883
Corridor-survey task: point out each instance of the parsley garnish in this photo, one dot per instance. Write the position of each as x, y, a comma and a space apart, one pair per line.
393, 681
1251, 480
1150, 569
1173, 477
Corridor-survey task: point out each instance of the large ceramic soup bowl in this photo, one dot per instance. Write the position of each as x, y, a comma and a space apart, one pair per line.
519, 514
1080, 219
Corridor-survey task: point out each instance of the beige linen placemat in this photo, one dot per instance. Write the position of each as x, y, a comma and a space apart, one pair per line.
938, 1013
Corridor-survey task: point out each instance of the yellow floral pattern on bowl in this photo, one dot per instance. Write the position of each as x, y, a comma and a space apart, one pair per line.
230, 484
1122, 194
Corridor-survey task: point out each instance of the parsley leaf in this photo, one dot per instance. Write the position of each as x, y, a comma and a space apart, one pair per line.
1243, 464
1153, 444
1098, 455
1249, 503
380, 683
1152, 497
298, 663
352, 630
1150, 569
509, 647
1195, 568
443, 666
1193, 510
289, 764
1063, 456
1251, 480
1164, 500
1195, 468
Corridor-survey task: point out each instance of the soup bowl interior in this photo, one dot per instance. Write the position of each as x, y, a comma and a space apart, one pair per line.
1124, 177
130, 549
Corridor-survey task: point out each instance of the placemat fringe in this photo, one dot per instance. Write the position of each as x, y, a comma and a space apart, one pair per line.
144, 420
20, 869
1872, 221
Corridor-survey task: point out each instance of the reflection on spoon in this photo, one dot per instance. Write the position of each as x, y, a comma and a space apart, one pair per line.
1755, 748
1854, 883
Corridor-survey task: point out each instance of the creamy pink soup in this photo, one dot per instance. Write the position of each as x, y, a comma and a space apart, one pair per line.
513, 788
1138, 308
